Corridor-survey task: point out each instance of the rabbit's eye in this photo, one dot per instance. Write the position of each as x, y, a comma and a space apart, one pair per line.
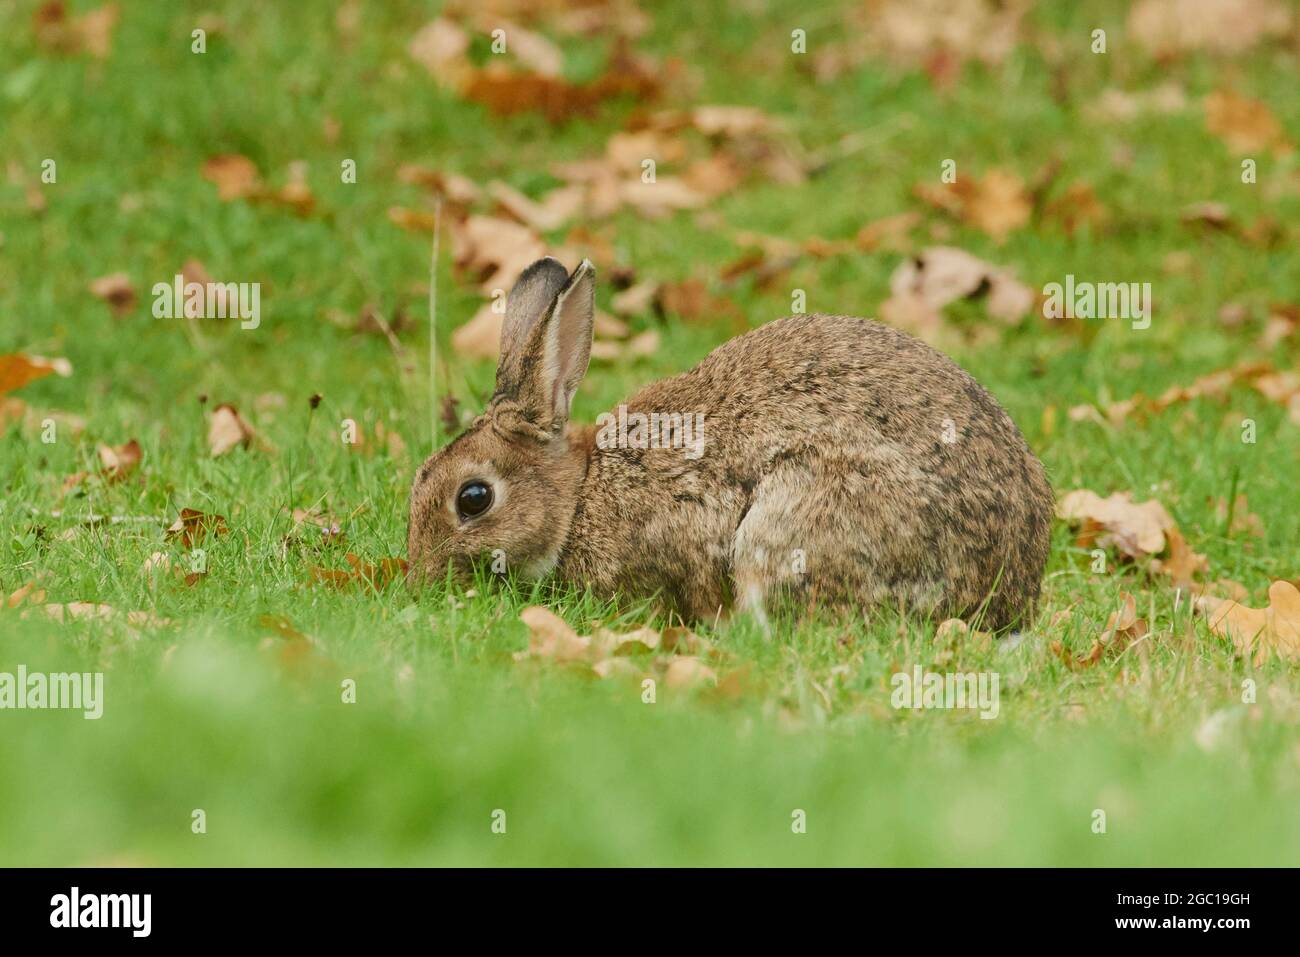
473, 499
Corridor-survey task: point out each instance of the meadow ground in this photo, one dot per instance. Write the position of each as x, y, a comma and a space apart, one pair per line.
224, 695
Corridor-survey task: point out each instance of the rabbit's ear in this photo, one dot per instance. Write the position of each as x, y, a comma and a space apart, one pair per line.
544, 358
534, 294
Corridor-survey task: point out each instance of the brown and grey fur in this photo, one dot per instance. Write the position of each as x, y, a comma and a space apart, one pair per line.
843, 461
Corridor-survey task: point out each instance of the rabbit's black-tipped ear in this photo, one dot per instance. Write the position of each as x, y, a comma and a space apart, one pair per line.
531, 299
543, 361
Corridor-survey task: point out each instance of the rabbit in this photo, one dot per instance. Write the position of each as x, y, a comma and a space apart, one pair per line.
834, 460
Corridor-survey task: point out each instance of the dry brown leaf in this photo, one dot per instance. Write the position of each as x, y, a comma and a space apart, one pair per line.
78, 610
923, 284
1076, 208
1122, 629
295, 194
29, 593
115, 290
193, 526
495, 251
627, 151
118, 461
639, 346
1135, 529
1258, 632
609, 654
691, 300
1223, 588
91, 32
998, 204
732, 122
454, 187
90, 611
228, 430
549, 636
635, 300
17, 369
235, 176
1244, 124
554, 210
377, 576
1244, 521
440, 46
890, 234
1182, 564
412, 220
688, 672
531, 49
480, 338
1167, 27
505, 92
621, 667
1122, 106
1282, 388
939, 35
161, 563
640, 641
282, 627
661, 198
713, 177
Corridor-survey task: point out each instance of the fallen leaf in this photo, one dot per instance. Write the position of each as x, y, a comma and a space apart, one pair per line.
282, 627
1135, 529
91, 32
1245, 125
115, 290
609, 654
531, 49
1258, 632
506, 92
236, 176
924, 33
480, 338
691, 301
549, 636
639, 346
228, 430
193, 526
998, 203
1122, 629
1168, 27
460, 192
688, 672
78, 610
295, 194
495, 251
161, 563
1076, 208
377, 576
17, 369
117, 462
1123, 106
29, 593
626, 152
890, 234
1243, 520
924, 284
440, 46
1182, 564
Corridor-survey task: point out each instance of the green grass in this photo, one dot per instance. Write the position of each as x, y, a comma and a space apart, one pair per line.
447, 727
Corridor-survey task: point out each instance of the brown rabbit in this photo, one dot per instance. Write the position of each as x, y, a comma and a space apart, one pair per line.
820, 456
